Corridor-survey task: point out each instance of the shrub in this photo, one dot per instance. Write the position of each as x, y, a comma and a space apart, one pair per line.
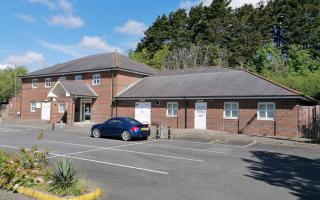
65, 177
27, 168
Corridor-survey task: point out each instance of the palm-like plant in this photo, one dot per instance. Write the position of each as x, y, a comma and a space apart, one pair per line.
65, 175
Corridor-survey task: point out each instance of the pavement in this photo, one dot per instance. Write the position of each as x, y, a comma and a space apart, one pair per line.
183, 168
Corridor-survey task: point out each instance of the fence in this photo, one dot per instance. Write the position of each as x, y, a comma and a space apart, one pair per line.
309, 121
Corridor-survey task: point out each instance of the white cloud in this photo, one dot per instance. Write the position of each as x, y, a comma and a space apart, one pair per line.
131, 27
68, 21
187, 4
26, 58
87, 45
95, 42
66, 6
25, 17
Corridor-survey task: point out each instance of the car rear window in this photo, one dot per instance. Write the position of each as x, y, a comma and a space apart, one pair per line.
133, 122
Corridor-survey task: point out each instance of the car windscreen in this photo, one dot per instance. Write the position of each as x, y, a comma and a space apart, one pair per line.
133, 122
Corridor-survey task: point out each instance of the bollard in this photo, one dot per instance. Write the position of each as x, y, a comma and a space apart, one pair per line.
157, 133
169, 133
52, 126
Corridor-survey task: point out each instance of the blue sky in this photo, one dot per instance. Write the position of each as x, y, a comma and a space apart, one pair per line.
40, 33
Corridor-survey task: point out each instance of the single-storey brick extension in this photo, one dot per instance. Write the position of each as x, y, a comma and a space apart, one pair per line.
100, 86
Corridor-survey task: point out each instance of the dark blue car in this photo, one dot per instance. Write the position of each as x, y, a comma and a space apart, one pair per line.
123, 127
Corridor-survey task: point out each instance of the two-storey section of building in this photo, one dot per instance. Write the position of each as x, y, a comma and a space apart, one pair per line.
79, 90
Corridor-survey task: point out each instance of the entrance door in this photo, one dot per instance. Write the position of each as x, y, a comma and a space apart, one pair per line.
200, 115
45, 110
143, 112
86, 111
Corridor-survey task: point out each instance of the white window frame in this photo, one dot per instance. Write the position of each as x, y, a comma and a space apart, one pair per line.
33, 106
266, 110
96, 79
61, 109
47, 83
35, 83
231, 110
78, 77
170, 104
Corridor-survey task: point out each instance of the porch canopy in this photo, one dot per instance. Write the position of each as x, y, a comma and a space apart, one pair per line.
66, 88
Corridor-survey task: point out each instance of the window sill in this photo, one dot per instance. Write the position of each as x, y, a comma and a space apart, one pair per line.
265, 119
172, 116
234, 118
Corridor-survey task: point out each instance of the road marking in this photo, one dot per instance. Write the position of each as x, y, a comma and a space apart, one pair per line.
114, 149
75, 153
158, 155
248, 145
102, 162
186, 148
121, 165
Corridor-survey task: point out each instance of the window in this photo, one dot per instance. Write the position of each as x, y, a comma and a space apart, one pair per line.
61, 107
34, 83
47, 82
96, 79
78, 77
62, 78
33, 106
231, 110
172, 109
266, 110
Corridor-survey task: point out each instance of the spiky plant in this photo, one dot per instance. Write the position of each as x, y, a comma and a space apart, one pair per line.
65, 175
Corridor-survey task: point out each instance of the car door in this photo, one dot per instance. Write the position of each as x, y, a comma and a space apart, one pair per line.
113, 127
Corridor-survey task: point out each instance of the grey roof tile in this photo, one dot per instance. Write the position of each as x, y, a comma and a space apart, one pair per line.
77, 88
95, 62
216, 82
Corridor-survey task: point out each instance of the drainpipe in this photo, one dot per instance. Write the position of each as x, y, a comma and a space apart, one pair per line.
112, 91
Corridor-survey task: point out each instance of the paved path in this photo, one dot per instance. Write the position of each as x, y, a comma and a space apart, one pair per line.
4, 195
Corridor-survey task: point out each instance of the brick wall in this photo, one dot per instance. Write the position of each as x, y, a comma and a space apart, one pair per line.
285, 123
101, 107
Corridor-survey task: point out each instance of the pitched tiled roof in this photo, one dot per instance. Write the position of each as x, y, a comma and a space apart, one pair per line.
77, 88
96, 62
213, 82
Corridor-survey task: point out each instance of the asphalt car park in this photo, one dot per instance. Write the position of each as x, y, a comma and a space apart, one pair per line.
180, 169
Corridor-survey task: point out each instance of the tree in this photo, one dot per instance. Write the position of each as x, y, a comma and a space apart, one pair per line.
9, 79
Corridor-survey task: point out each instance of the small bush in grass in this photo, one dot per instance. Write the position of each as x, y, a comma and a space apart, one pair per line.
66, 179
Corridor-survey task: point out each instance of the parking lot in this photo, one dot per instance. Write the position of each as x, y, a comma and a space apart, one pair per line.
180, 169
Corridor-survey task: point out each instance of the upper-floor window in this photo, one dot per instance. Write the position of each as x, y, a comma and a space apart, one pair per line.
266, 110
34, 83
47, 83
78, 77
231, 110
96, 79
172, 109
33, 106
62, 78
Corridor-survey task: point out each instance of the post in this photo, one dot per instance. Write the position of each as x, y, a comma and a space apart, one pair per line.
169, 133
52, 126
157, 133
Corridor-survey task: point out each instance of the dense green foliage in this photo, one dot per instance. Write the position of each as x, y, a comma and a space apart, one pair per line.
239, 38
8, 83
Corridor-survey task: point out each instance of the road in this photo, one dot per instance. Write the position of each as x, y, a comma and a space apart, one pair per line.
180, 169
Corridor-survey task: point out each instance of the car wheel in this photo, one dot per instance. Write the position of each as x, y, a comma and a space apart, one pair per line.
126, 136
96, 133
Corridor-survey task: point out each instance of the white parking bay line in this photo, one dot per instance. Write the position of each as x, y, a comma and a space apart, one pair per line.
186, 148
252, 143
114, 148
103, 162
158, 155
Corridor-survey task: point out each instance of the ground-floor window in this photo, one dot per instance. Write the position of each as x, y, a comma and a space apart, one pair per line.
172, 109
231, 110
33, 106
61, 107
266, 110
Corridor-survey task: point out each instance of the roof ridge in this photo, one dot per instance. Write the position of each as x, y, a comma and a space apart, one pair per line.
204, 72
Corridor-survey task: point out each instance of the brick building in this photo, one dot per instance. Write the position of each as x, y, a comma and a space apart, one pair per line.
98, 87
